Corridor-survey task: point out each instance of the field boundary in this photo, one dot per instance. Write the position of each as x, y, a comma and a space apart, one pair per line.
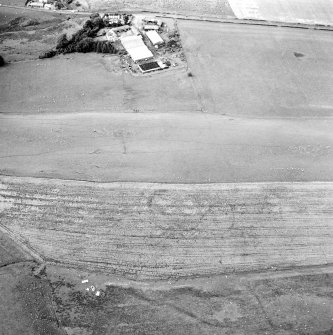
22, 244
198, 18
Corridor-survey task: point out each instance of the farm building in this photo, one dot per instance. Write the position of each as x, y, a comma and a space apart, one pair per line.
136, 48
113, 18
148, 67
49, 6
122, 29
36, 4
151, 27
152, 21
154, 37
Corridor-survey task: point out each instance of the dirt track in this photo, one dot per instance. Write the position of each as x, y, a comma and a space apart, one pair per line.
157, 231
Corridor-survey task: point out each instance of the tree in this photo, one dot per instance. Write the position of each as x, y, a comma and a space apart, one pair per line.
85, 45
48, 54
2, 61
62, 42
88, 25
97, 22
94, 15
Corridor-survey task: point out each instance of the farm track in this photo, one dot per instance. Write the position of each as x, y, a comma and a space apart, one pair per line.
157, 231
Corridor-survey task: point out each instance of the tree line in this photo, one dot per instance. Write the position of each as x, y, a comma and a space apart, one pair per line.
82, 40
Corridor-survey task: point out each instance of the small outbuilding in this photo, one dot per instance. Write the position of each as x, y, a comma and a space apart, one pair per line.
151, 20
151, 27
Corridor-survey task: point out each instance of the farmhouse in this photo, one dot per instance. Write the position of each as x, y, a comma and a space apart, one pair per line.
152, 21
136, 48
110, 19
36, 4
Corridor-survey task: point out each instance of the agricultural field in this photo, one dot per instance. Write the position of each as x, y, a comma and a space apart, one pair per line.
156, 231
259, 71
190, 201
192, 7
296, 11
179, 147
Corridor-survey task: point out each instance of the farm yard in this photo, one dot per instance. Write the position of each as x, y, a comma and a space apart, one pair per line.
190, 200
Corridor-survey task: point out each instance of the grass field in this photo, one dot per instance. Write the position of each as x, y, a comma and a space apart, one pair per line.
21, 43
295, 302
90, 82
165, 147
254, 71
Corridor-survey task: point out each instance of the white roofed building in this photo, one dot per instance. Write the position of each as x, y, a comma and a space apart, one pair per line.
154, 37
136, 48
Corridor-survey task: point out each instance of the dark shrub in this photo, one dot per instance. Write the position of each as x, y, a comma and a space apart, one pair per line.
88, 25
105, 47
59, 5
85, 45
97, 22
62, 42
71, 48
48, 54
29, 22
17, 21
78, 36
94, 15
98, 46
2, 61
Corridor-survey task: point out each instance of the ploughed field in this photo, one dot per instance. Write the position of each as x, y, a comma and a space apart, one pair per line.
157, 231
198, 7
